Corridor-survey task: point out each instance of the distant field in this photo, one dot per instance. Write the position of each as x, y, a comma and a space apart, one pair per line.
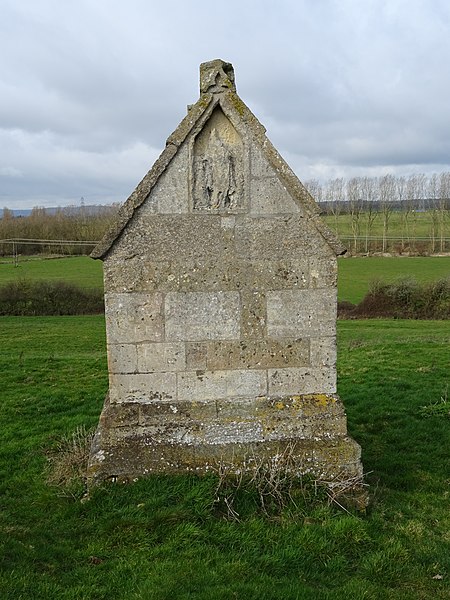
355, 274
79, 270
419, 224
422, 233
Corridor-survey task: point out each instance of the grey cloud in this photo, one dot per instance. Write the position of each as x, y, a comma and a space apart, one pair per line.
90, 90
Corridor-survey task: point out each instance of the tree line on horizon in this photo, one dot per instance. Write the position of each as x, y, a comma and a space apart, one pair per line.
365, 202
69, 230
422, 192
362, 205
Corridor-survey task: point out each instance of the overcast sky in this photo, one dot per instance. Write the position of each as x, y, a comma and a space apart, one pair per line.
91, 89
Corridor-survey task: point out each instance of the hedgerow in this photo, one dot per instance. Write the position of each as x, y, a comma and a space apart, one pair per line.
402, 299
48, 298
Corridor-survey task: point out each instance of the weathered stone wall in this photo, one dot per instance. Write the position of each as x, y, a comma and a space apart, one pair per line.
248, 299
220, 297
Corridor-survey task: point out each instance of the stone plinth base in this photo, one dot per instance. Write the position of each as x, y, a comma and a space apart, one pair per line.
134, 440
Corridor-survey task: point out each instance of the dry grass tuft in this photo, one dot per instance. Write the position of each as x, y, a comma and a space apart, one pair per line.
67, 462
277, 486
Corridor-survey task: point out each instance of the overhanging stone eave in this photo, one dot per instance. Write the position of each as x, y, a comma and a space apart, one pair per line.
143, 189
242, 117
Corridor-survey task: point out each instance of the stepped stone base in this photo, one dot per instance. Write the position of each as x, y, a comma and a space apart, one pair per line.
135, 439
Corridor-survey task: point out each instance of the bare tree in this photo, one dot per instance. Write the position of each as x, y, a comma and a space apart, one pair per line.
355, 208
411, 195
444, 207
7, 214
386, 191
400, 188
369, 194
433, 196
59, 227
336, 195
314, 187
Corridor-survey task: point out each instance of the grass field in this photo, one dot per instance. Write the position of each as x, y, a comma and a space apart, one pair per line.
79, 270
163, 539
419, 223
355, 274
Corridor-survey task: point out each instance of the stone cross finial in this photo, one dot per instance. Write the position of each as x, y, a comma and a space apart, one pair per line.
216, 76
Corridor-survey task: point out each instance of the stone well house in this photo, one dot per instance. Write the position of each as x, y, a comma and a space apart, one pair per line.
220, 295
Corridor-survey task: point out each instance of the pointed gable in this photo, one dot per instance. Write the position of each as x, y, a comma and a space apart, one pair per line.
219, 161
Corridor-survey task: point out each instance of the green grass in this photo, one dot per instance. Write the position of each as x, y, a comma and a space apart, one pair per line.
355, 274
160, 538
420, 224
79, 270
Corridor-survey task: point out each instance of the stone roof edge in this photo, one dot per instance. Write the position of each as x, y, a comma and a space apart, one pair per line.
230, 102
143, 189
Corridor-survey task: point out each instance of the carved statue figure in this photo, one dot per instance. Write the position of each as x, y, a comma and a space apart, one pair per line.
216, 176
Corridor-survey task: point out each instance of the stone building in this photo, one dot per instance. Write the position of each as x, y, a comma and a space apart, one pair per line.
220, 296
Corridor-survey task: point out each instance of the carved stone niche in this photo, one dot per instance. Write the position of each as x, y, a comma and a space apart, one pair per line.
218, 167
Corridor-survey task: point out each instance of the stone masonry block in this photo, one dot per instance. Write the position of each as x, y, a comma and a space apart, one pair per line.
198, 316
196, 355
228, 222
254, 315
295, 381
148, 387
170, 194
160, 357
259, 165
206, 385
139, 275
323, 351
121, 415
154, 435
187, 276
285, 274
177, 412
305, 407
303, 313
163, 238
323, 271
126, 276
122, 358
132, 318
257, 354
307, 429
269, 196
236, 432
275, 238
